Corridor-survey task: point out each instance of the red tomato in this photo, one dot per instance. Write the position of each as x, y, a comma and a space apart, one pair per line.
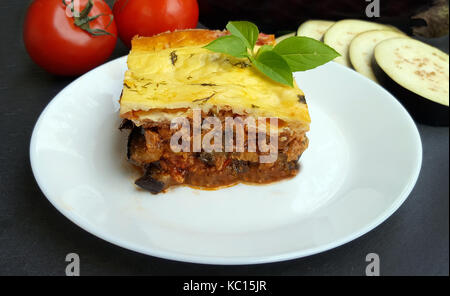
56, 44
150, 17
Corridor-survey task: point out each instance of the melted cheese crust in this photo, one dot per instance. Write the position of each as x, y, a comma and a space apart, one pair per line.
172, 70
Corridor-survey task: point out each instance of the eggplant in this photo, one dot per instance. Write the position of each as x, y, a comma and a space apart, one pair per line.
314, 29
340, 35
417, 74
126, 124
150, 184
274, 16
150, 181
135, 133
361, 50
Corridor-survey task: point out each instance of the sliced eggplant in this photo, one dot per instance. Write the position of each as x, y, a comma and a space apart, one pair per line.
418, 75
282, 37
342, 32
314, 28
362, 46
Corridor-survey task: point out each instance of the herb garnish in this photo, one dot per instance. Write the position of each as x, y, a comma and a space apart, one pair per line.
277, 62
204, 99
173, 57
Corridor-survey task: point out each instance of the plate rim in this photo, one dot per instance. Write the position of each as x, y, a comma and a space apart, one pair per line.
231, 260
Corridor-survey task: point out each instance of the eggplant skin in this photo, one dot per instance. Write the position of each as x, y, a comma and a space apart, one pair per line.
421, 109
149, 180
135, 132
126, 124
150, 184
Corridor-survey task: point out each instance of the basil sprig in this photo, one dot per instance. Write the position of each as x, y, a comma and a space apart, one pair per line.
277, 62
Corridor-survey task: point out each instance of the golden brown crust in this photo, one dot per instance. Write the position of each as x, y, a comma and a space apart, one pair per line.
184, 38
175, 39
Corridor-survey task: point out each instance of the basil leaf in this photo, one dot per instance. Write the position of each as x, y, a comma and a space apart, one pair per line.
304, 53
246, 31
274, 66
264, 48
229, 44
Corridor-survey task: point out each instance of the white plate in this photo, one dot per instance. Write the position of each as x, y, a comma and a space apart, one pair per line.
364, 158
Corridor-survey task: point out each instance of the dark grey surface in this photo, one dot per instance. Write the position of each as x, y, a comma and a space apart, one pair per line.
35, 237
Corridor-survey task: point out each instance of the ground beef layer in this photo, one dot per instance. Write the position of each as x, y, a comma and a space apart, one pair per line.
149, 149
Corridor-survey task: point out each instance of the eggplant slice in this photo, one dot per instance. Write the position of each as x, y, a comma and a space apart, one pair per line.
314, 29
362, 46
340, 35
418, 75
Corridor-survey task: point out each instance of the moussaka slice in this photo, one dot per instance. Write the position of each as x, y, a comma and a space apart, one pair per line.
207, 119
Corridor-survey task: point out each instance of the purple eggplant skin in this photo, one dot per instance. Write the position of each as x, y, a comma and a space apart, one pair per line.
421, 110
150, 184
273, 16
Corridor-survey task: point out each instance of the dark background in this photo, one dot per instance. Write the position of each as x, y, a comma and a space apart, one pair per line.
35, 237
